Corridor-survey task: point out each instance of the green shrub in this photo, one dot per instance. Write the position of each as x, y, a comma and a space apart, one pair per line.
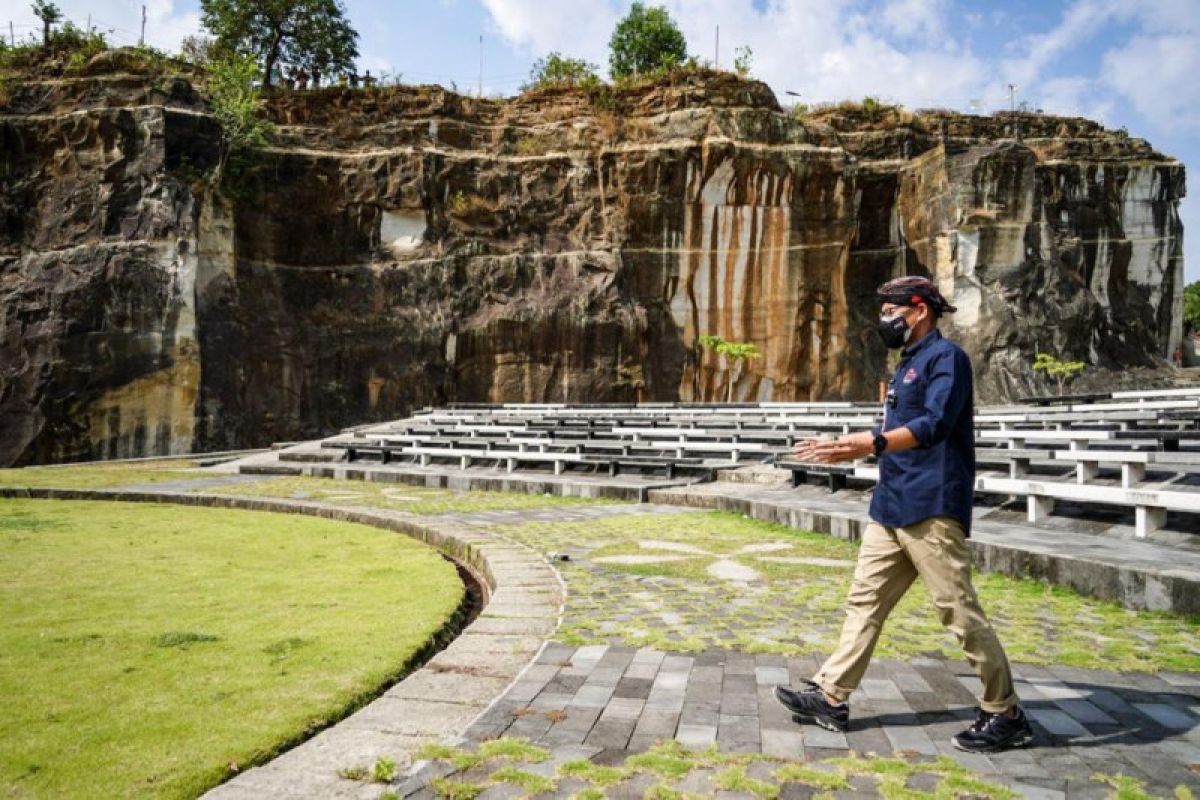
557, 70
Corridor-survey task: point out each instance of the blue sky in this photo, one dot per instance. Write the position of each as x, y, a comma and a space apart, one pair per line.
1131, 63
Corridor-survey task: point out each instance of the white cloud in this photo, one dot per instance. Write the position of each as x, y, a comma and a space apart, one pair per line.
120, 20
1152, 70
1157, 75
911, 18
825, 49
537, 27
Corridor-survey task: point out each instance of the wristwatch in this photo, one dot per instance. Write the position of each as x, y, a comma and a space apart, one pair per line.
880, 443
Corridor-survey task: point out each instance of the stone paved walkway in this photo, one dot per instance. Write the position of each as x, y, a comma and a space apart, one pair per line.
615, 701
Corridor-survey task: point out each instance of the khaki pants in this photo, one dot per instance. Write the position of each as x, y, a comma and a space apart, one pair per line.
889, 560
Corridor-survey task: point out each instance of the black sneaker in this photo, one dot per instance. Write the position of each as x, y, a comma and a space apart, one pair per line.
810, 703
992, 733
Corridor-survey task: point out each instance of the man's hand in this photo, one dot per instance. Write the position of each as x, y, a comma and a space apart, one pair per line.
847, 448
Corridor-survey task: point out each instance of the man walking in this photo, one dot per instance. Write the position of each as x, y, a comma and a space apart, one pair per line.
920, 519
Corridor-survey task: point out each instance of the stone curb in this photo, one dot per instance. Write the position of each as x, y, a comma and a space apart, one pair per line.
522, 607
1134, 586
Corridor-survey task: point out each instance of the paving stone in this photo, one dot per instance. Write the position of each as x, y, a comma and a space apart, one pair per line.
555, 653
694, 714
550, 701
881, 689
449, 686
738, 728
623, 708
1168, 716
657, 723
910, 738
1085, 712
593, 696
633, 688
771, 676
609, 732
696, 736
605, 676
579, 717
817, 737
739, 704
1029, 791
782, 742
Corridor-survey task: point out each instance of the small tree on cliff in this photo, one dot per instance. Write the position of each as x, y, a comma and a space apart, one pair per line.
736, 354
237, 105
558, 70
296, 33
1061, 371
1191, 307
646, 39
50, 14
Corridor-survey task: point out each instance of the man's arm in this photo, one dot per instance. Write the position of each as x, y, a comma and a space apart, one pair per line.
943, 403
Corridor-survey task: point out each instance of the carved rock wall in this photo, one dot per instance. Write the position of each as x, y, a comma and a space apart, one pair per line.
408, 247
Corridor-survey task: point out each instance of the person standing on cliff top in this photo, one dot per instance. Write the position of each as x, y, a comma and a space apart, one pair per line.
920, 519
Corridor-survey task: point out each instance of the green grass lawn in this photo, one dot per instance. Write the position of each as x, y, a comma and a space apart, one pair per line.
99, 475
144, 649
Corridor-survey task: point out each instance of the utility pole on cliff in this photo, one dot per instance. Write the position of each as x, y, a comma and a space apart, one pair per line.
142, 38
717, 50
1012, 97
480, 93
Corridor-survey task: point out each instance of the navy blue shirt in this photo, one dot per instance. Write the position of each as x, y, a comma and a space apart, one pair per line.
934, 397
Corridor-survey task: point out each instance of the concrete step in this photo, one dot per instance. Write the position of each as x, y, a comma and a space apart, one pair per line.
757, 474
270, 469
321, 456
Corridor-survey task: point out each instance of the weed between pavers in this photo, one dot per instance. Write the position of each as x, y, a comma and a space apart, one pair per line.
797, 608
670, 762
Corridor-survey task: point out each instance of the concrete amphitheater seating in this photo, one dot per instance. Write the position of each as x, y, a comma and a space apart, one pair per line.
1124, 450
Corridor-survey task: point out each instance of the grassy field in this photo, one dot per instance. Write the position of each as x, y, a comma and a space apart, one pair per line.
401, 497
145, 650
99, 476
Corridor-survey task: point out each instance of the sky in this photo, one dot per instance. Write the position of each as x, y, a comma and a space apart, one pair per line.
1126, 63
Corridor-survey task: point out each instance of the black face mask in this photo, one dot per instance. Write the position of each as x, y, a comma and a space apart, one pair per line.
894, 331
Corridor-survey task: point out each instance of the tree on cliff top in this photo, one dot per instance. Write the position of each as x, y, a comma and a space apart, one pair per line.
646, 39
308, 34
49, 13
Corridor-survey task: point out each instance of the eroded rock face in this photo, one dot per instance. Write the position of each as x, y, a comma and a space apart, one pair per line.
407, 247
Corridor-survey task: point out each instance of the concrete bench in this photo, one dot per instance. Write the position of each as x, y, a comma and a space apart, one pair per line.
1018, 461
1150, 505
1058, 399
1016, 439
1165, 440
1133, 464
559, 461
1157, 394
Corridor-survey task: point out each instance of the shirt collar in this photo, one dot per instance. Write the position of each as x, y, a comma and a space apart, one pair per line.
908, 352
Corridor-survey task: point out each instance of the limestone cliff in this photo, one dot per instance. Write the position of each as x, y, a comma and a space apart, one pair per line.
408, 246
